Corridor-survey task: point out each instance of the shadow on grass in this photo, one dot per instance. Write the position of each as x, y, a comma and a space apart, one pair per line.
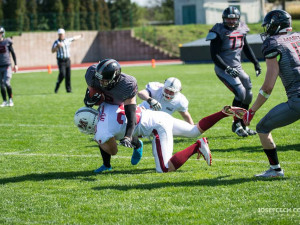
218, 181
72, 175
280, 148
258, 148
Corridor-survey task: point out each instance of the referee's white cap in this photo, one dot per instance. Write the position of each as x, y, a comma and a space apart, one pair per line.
61, 31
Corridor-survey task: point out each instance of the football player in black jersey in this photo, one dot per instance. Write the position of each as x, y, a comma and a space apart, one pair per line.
228, 40
281, 48
106, 78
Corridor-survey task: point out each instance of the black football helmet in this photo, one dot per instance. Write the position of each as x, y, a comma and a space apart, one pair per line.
231, 13
2, 30
108, 73
276, 21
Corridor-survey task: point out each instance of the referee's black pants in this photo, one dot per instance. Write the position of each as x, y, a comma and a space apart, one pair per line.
64, 66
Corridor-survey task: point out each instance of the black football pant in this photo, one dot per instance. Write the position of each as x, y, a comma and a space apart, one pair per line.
64, 66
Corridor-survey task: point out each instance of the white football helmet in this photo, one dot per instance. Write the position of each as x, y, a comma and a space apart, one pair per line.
172, 84
86, 119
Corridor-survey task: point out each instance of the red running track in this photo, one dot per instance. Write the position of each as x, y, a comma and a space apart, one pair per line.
86, 65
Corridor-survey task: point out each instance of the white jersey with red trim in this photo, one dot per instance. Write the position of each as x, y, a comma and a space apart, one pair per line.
112, 122
178, 103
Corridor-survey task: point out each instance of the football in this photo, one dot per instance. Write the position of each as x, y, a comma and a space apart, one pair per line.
93, 91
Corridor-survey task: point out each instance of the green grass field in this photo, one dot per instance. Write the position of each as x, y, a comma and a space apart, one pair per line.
46, 164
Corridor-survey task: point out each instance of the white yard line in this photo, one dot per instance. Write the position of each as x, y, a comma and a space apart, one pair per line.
33, 125
128, 157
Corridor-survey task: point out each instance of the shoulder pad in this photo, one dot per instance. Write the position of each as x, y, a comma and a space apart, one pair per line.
271, 55
210, 36
270, 48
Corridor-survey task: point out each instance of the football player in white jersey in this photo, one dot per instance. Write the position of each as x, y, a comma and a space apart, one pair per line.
166, 97
111, 126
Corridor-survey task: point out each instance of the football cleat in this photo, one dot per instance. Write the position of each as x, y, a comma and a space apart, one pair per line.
102, 169
271, 173
4, 103
137, 154
204, 150
249, 131
234, 111
239, 130
10, 103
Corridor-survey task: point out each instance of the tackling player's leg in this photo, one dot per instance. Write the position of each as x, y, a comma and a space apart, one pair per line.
137, 150
106, 162
201, 147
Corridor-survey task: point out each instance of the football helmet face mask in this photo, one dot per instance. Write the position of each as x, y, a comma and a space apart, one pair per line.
2, 31
231, 17
171, 87
108, 73
86, 119
275, 22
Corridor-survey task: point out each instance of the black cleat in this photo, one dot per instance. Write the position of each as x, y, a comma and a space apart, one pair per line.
239, 130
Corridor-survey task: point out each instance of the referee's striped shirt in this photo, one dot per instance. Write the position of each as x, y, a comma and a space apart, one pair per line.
64, 51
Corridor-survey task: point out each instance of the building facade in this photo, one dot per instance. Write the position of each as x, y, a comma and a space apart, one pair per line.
210, 12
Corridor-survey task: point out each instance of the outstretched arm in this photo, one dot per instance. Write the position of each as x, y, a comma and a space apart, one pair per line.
187, 117
77, 37
144, 94
269, 83
266, 89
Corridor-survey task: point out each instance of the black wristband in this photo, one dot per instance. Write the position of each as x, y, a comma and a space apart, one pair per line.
149, 100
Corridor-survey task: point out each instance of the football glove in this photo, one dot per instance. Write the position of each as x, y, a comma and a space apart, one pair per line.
155, 105
126, 142
248, 116
257, 69
91, 101
232, 71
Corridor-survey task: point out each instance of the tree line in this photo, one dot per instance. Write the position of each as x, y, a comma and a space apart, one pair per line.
30, 15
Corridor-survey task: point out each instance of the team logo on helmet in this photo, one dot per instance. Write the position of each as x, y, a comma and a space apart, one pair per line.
86, 119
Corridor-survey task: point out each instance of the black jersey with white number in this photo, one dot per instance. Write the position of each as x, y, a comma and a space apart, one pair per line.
125, 88
288, 48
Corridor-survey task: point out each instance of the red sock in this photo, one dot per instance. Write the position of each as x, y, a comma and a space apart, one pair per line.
209, 121
179, 158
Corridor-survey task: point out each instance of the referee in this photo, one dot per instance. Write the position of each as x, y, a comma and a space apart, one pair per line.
62, 48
